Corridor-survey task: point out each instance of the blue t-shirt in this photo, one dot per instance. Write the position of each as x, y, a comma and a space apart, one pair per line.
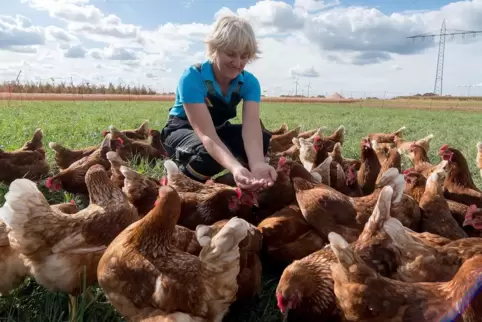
192, 89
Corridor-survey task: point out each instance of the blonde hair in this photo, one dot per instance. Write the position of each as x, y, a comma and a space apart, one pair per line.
234, 34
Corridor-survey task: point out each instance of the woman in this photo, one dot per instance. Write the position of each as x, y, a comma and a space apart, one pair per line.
198, 133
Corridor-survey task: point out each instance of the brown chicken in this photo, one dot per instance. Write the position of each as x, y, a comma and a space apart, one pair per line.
370, 167
283, 129
282, 142
387, 137
305, 289
345, 162
35, 143
287, 236
250, 268
473, 217
140, 190
307, 154
143, 275
180, 181
155, 141
210, 202
12, 264
209, 206
131, 149
141, 133
338, 136
72, 179
404, 146
59, 246
352, 187
22, 164
115, 163
393, 160
429, 262
415, 184
459, 185
64, 157
436, 215
281, 193
364, 295
326, 209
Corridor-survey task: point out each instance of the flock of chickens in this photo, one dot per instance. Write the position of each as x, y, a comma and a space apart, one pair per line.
360, 239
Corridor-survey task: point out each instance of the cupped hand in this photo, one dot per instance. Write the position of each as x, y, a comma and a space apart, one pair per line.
264, 173
245, 179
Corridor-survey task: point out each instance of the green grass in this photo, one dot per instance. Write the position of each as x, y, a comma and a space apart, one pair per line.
79, 124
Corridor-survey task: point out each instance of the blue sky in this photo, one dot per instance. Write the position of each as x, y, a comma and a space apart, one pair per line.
353, 46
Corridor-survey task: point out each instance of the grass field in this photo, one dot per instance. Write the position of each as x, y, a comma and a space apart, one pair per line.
79, 124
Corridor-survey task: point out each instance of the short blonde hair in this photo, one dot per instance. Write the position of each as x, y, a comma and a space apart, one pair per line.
232, 33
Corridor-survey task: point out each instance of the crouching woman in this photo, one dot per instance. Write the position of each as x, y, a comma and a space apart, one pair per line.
198, 133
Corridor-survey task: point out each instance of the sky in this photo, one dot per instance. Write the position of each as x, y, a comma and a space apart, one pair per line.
358, 48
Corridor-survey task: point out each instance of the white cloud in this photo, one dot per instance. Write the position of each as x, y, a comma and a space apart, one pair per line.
76, 51
360, 51
303, 72
16, 32
114, 53
314, 5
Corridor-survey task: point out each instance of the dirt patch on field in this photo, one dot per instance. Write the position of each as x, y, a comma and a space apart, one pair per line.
389, 103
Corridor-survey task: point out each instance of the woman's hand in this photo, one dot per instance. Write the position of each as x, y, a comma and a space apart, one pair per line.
245, 180
264, 173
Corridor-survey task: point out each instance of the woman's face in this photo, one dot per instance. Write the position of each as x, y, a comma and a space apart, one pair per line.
231, 63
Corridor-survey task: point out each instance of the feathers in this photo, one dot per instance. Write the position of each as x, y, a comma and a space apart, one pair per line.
22, 201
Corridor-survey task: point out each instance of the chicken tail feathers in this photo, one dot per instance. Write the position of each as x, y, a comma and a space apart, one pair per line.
23, 201
224, 246
114, 158
128, 173
171, 169
57, 147
400, 130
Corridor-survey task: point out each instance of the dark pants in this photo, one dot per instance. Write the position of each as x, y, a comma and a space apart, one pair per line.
185, 147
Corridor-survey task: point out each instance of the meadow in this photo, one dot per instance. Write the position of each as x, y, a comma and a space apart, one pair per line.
80, 124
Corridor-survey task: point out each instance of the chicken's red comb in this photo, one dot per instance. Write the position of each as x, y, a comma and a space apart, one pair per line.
104, 133
470, 211
238, 192
408, 171
150, 131
120, 140
317, 138
444, 147
48, 182
72, 202
163, 181
281, 161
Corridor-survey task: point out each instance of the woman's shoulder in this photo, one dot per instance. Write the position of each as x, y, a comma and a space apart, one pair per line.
191, 74
250, 79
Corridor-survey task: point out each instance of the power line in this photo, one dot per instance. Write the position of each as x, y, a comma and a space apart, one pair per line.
439, 73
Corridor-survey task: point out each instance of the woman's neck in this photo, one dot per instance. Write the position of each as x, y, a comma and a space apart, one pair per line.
222, 81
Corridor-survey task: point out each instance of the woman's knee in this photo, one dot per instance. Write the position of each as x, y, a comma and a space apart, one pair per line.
203, 166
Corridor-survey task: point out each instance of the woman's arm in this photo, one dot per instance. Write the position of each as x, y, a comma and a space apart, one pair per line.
202, 124
252, 135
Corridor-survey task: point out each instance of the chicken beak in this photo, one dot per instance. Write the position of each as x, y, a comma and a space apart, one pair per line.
255, 202
468, 222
